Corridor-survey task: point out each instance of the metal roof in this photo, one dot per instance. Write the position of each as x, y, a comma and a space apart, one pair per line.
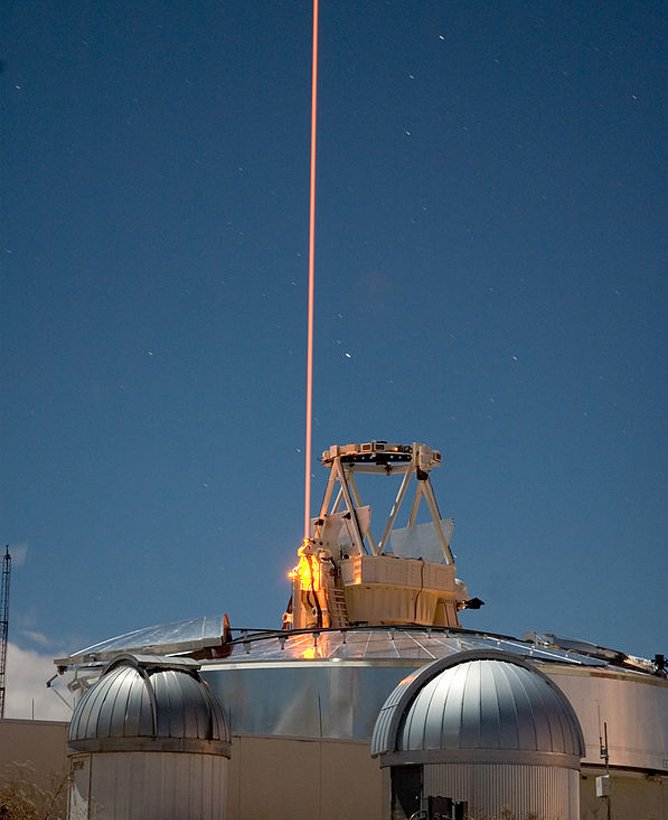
478, 707
150, 703
203, 638
185, 635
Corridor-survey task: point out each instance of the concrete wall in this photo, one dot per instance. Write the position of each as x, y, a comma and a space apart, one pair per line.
303, 780
33, 746
633, 796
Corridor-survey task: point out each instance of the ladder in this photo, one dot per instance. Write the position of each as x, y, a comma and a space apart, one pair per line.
338, 612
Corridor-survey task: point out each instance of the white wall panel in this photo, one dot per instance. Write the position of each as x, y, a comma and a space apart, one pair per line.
544, 791
158, 786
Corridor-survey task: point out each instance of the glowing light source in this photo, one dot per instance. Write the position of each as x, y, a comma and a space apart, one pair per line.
308, 569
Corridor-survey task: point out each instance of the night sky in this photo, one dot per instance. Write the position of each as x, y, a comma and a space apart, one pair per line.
491, 280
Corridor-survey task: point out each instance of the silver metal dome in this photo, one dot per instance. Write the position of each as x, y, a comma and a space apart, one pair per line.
478, 706
150, 703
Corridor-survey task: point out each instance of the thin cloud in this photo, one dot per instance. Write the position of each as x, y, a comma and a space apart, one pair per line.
36, 637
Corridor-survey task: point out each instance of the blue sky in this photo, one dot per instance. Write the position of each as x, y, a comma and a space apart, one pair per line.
491, 279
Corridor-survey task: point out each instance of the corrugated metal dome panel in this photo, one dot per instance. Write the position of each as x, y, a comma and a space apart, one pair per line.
478, 702
162, 700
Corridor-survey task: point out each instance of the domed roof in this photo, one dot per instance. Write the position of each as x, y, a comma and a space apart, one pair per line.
150, 703
478, 706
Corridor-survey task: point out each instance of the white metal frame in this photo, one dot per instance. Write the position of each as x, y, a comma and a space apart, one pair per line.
380, 458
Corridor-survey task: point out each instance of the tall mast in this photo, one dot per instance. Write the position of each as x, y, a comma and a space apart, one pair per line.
4, 625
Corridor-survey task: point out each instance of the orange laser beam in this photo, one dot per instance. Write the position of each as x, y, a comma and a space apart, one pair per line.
311, 281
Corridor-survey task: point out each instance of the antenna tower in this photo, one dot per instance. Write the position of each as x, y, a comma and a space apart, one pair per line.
4, 624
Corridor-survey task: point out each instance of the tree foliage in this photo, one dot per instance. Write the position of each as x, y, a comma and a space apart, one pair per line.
23, 798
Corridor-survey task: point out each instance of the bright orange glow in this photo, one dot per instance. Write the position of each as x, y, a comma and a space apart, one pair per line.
307, 571
311, 282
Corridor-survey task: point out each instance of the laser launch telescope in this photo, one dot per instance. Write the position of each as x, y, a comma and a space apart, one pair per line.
346, 576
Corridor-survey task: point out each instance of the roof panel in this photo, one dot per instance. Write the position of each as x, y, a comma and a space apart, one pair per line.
409, 643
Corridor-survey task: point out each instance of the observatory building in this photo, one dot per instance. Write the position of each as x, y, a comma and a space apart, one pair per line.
488, 727
370, 700
149, 740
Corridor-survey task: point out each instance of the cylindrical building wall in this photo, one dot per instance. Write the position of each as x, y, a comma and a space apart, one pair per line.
333, 686
492, 788
148, 786
633, 708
